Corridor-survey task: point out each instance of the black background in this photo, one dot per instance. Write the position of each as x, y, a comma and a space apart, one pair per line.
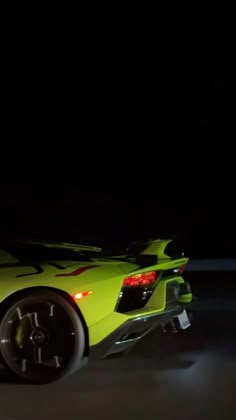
120, 122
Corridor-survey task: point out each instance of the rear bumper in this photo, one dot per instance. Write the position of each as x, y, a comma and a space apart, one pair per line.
128, 334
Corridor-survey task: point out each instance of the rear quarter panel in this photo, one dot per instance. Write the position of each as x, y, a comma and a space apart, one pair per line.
104, 282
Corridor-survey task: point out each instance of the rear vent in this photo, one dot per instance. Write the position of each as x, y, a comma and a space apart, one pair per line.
133, 298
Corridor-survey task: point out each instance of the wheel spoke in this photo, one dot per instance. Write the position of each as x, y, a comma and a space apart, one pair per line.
23, 365
38, 355
33, 317
19, 313
51, 310
57, 363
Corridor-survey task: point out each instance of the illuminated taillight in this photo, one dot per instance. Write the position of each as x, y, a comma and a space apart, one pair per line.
143, 279
181, 269
81, 295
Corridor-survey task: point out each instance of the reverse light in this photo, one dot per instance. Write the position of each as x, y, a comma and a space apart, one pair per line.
143, 279
81, 295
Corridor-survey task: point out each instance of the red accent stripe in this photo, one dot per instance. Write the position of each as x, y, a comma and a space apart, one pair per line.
78, 271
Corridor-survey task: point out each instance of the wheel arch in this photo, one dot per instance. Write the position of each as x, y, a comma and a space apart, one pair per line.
7, 302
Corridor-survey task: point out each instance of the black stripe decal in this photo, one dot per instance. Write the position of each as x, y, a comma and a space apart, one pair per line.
39, 270
37, 267
12, 265
60, 267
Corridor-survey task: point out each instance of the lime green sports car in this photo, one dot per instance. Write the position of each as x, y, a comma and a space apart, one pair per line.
62, 304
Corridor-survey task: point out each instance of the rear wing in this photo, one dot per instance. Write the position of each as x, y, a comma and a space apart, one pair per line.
164, 253
145, 253
160, 248
152, 252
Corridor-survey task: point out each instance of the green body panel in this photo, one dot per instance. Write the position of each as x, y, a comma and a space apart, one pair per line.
104, 280
156, 304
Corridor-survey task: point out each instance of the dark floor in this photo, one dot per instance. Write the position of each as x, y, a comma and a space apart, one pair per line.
190, 375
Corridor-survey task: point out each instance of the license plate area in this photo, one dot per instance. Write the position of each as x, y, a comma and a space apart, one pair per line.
183, 319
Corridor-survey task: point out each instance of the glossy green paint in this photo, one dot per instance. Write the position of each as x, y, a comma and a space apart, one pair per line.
156, 247
156, 304
104, 281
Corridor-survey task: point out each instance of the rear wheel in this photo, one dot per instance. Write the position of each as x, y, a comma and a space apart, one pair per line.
42, 338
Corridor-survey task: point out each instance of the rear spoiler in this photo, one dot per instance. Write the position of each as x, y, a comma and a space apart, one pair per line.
160, 248
145, 253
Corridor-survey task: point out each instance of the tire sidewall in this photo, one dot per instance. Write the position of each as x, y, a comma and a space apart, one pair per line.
76, 361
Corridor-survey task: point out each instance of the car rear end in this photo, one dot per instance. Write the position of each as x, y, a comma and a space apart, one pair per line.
150, 296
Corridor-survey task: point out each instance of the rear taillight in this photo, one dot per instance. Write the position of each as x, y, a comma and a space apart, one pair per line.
181, 269
143, 279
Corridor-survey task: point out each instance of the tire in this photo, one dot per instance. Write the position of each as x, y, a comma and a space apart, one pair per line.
42, 338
